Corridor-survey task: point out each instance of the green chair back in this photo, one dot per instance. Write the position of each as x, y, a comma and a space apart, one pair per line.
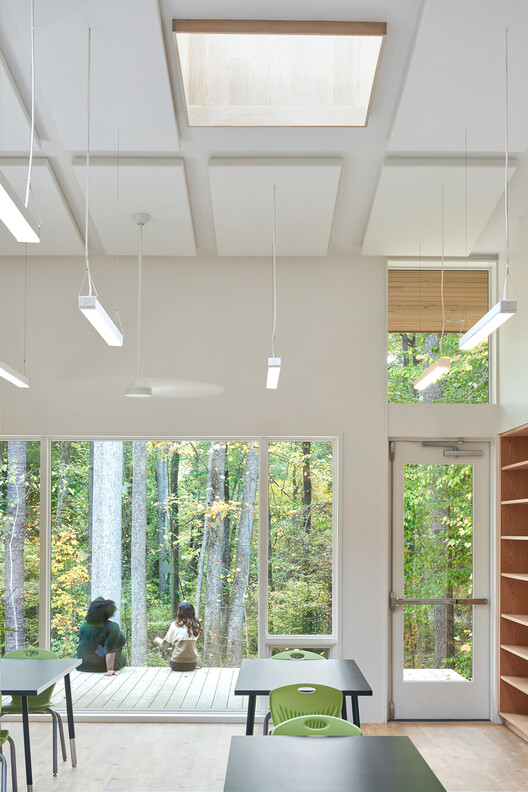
296, 654
317, 726
291, 701
35, 703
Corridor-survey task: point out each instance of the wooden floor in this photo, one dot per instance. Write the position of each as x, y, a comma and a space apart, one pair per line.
154, 689
184, 757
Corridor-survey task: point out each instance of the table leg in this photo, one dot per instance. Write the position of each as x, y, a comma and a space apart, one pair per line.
71, 725
27, 744
250, 723
344, 709
355, 710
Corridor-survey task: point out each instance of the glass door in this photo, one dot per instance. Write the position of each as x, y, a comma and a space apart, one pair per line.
440, 581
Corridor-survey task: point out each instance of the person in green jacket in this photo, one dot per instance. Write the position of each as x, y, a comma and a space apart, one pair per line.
100, 640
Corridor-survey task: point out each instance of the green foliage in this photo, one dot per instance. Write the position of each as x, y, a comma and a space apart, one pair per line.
409, 354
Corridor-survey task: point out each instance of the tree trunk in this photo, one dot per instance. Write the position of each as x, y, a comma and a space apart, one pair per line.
138, 655
162, 479
14, 546
443, 614
64, 478
90, 493
174, 536
106, 531
242, 559
213, 638
307, 487
203, 549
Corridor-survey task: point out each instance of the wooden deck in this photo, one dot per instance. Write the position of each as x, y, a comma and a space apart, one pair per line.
154, 689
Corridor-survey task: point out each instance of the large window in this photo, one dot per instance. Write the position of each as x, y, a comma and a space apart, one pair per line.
19, 543
428, 311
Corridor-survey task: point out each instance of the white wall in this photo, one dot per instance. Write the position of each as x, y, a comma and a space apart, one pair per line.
210, 320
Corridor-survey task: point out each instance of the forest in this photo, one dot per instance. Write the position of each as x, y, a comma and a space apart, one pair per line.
149, 524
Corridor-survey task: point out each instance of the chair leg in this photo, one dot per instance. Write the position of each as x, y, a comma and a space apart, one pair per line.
13, 764
61, 735
54, 719
265, 725
3, 781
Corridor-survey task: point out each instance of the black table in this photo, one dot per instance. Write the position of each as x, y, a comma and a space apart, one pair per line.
258, 677
29, 678
340, 764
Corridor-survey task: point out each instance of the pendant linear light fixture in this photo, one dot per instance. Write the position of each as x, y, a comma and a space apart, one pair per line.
442, 365
13, 213
138, 388
274, 362
89, 304
506, 306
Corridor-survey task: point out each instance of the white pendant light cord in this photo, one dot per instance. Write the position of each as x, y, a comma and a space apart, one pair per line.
507, 278
274, 276
442, 276
32, 139
140, 268
117, 318
88, 275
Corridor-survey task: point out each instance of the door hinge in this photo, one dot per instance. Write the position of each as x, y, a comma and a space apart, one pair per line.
391, 711
392, 445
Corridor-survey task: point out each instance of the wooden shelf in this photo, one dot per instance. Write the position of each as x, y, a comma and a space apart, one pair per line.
515, 575
516, 538
513, 502
519, 618
521, 683
520, 651
519, 723
517, 466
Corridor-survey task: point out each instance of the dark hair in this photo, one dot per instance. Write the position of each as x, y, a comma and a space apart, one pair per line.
100, 610
187, 618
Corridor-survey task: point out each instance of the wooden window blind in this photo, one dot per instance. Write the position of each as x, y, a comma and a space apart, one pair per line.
415, 300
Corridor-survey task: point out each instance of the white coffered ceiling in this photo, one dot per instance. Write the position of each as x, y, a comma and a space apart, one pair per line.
440, 83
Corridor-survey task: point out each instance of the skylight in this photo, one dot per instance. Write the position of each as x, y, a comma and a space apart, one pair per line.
278, 73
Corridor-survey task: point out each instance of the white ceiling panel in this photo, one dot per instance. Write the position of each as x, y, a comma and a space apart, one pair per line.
456, 79
242, 198
59, 235
155, 186
15, 125
130, 86
406, 215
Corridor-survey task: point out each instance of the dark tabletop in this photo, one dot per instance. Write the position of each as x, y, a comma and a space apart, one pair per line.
258, 677
340, 764
31, 677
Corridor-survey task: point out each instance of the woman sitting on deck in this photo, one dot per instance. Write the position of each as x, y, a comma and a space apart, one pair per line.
100, 640
181, 637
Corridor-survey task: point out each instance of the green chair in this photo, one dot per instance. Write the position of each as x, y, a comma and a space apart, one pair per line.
317, 726
292, 701
4, 737
40, 703
290, 654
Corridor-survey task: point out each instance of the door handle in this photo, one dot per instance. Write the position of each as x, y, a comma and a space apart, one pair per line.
395, 601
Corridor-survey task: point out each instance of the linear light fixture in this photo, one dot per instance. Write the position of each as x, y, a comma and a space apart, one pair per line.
89, 304
15, 216
13, 213
433, 373
505, 308
274, 367
9, 374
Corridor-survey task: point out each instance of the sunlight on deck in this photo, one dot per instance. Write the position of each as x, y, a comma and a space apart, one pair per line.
155, 689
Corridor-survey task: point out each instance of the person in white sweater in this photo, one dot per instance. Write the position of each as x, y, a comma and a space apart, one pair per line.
181, 638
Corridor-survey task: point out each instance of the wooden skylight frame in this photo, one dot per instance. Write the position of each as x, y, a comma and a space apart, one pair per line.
278, 72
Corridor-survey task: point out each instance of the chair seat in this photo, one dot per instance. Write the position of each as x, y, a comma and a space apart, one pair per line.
14, 708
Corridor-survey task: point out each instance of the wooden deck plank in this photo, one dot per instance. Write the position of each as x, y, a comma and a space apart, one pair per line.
127, 684
223, 689
171, 681
208, 692
141, 688
159, 680
195, 688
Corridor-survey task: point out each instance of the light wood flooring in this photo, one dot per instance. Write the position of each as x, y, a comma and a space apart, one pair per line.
182, 757
154, 689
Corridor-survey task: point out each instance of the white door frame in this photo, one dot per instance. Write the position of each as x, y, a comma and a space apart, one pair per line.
443, 699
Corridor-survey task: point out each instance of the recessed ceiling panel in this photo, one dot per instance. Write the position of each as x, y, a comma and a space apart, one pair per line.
239, 72
155, 186
59, 235
242, 197
15, 125
406, 216
456, 79
130, 86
